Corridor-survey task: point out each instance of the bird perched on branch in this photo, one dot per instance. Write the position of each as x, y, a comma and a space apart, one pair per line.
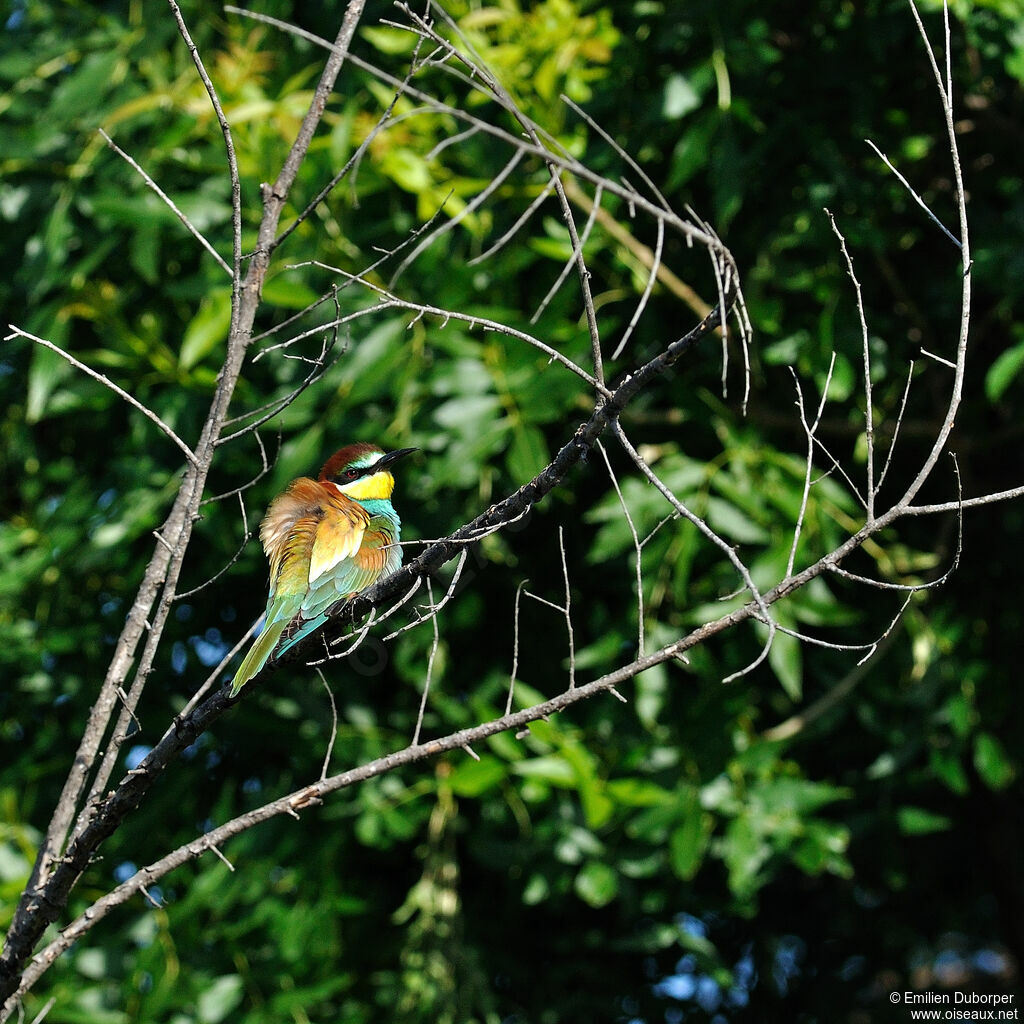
326, 539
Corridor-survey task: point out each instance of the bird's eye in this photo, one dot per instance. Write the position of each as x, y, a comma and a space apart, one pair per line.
351, 474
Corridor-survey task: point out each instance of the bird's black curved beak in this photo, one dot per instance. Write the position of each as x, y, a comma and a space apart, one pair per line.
399, 453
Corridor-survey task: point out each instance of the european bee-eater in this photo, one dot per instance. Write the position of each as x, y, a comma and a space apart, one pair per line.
326, 539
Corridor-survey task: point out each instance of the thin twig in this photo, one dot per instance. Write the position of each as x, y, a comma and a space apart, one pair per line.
573, 260
478, 200
869, 412
796, 724
515, 648
430, 612
939, 359
435, 643
564, 609
896, 428
229, 152
956, 391
810, 429
538, 201
17, 332
184, 594
637, 548
45, 1010
917, 199
568, 609
334, 725
391, 301
320, 367
648, 288
190, 227
706, 530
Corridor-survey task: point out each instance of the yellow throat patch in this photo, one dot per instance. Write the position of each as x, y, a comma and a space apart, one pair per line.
380, 485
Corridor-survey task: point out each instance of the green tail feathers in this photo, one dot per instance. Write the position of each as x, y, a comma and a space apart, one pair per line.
266, 644
259, 654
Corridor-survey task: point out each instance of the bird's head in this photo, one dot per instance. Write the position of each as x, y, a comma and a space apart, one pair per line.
361, 472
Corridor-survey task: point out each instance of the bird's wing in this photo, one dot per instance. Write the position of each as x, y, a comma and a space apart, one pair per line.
338, 536
364, 567
376, 556
306, 532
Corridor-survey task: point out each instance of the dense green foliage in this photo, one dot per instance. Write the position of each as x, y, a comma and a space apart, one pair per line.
663, 859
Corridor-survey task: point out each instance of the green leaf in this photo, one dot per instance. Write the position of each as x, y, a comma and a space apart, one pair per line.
786, 351
14, 865
948, 767
597, 808
47, 370
219, 998
389, 40
652, 687
208, 329
991, 761
369, 365
536, 890
551, 768
691, 153
469, 413
92, 963
1002, 373
596, 883
285, 291
786, 659
823, 848
411, 172
731, 521
745, 852
796, 796
689, 840
79, 92
960, 711
145, 252
471, 778
680, 97
637, 792
528, 454
134, 211
916, 821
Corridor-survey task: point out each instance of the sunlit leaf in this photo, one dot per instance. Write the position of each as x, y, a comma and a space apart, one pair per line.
208, 329
596, 883
917, 821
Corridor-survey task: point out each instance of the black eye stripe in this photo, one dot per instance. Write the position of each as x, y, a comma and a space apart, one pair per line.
348, 474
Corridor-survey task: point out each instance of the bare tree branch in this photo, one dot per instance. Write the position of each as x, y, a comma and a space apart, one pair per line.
17, 332
869, 412
52, 879
189, 226
956, 392
87, 815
